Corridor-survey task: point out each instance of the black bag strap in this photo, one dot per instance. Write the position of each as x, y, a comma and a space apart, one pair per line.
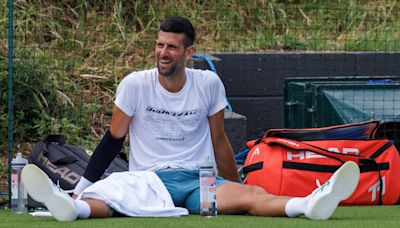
382, 149
55, 139
56, 142
331, 168
253, 167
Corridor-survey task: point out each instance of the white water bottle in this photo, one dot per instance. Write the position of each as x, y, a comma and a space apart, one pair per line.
19, 197
208, 188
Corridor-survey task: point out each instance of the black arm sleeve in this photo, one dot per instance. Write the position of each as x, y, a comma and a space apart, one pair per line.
102, 157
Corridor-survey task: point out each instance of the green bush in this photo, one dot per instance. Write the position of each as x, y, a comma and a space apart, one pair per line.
41, 104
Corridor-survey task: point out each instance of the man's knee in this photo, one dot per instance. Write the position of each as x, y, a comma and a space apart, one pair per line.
257, 190
246, 198
252, 194
98, 208
256, 195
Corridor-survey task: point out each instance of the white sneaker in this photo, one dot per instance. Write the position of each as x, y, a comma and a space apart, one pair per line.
42, 189
325, 199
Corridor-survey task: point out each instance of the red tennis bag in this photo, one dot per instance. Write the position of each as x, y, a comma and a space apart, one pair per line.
291, 167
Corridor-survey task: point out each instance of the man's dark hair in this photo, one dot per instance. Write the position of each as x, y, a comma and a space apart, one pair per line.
178, 24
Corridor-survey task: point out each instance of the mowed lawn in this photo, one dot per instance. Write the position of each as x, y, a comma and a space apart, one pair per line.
354, 216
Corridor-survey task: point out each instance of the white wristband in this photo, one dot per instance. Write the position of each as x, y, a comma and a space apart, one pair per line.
82, 185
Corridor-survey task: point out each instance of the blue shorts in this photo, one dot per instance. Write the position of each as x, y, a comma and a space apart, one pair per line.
184, 187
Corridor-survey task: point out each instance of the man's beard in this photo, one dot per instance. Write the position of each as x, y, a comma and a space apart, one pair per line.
171, 71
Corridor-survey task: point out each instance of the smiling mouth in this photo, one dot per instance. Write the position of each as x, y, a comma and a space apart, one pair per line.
165, 61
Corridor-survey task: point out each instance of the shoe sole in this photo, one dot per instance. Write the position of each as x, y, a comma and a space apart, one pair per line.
39, 187
343, 186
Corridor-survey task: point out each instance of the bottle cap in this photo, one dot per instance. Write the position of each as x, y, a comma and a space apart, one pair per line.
207, 163
19, 160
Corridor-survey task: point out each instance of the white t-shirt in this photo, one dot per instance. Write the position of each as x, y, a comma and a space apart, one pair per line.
170, 130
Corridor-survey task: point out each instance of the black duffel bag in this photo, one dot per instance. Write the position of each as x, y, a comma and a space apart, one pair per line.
65, 163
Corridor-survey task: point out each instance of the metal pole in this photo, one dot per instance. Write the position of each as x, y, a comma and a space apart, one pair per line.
10, 117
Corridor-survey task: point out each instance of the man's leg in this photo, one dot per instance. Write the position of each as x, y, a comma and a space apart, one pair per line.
98, 208
60, 204
234, 198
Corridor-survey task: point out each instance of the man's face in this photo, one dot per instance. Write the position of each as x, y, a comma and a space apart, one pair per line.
170, 53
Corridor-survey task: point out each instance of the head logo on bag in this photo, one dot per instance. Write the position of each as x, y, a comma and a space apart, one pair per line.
301, 155
256, 152
62, 171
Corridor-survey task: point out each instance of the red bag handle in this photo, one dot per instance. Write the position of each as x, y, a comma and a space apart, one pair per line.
297, 145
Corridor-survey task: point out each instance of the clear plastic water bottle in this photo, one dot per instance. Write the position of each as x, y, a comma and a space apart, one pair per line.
208, 188
19, 197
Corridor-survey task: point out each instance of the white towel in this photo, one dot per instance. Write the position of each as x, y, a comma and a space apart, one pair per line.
135, 193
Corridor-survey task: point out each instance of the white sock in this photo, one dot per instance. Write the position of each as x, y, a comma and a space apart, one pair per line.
296, 206
82, 208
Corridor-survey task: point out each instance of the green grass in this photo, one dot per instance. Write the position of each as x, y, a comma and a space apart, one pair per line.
355, 216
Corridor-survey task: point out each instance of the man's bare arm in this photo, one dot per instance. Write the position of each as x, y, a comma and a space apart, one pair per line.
223, 151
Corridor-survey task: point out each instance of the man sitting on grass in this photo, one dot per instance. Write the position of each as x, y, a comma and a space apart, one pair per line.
175, 117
